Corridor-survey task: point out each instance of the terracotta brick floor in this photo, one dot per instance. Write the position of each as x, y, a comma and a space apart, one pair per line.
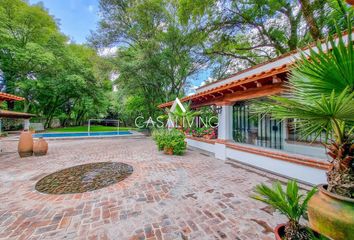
194, 196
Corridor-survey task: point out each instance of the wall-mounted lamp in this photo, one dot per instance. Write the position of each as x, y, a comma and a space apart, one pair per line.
217, 109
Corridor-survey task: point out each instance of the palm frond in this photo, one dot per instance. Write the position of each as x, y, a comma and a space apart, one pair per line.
289, 202
323, 70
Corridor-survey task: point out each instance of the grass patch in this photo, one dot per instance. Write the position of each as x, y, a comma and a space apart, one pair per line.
94, 128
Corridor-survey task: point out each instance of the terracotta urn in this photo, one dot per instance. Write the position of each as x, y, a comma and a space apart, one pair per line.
25, 144
168, 150
40, 147
331, 215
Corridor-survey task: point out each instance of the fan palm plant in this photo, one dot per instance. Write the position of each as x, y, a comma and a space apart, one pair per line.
321, 98
290, 203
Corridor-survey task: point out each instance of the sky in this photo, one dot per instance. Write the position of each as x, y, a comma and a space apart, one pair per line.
78, 17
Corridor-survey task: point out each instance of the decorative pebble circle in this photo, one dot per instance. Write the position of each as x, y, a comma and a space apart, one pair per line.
84, 178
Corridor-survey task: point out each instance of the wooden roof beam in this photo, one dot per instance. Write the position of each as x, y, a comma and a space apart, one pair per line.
243, 87
276, 79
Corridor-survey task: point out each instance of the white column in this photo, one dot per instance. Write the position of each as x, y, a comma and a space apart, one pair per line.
26, 124
224, 131
225, 123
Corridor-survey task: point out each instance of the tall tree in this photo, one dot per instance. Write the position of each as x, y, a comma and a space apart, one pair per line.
39, 64
307, 10
156, 54
251, 31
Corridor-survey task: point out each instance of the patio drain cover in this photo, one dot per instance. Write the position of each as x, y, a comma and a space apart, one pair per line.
84, 178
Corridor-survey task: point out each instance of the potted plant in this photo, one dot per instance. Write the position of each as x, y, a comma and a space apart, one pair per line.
322, 100
170, 140
188, 131
290, 203
208, 133
198, 132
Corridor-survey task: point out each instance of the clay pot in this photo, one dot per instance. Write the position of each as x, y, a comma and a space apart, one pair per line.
40, 147
331, 215
25, 144
168, 151
279, 231
208, 136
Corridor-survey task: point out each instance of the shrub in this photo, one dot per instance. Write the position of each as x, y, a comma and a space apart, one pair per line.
290, 203
173, 138
158, 137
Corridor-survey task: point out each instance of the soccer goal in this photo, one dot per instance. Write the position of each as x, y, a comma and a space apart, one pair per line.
102, 122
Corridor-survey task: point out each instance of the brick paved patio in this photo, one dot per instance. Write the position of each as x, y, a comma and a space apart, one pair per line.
194, 196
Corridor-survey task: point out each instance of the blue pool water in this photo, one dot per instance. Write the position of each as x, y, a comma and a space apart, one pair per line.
80, 134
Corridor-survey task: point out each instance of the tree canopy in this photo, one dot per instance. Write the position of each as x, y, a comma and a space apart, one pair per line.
58, 78
161, 44
152, 48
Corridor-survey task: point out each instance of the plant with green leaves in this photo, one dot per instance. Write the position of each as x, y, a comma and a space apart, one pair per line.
185, 118
170, 138
321, 99
157, 136
289, 202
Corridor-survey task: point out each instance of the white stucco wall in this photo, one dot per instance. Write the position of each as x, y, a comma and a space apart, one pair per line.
303, 173
201, 145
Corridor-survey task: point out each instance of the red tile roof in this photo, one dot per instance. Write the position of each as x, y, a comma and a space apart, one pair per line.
272, 72
250, 78
10, 97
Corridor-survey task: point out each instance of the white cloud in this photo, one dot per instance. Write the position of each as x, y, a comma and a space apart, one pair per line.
91, 8
207, 81
105, 52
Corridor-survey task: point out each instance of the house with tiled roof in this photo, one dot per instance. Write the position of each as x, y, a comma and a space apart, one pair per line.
259, 141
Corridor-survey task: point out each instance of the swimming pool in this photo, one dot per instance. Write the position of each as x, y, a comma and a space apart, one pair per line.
80, 134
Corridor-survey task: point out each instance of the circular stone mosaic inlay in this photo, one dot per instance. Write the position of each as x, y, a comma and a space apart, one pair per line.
84, 178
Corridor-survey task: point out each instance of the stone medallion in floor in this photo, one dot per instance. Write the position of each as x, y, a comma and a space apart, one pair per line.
194, 196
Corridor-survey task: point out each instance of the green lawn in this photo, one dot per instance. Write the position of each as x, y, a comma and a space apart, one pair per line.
92, 129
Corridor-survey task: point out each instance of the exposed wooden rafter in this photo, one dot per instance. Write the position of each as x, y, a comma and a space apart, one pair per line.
243, 87
276, 79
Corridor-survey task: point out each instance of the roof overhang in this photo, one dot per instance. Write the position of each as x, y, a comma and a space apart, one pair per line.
261, 80
9, 97
12, 114
242, 89
176, 103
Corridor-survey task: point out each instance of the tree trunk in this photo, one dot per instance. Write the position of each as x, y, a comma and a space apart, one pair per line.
307, 11
340, 176
294, 230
